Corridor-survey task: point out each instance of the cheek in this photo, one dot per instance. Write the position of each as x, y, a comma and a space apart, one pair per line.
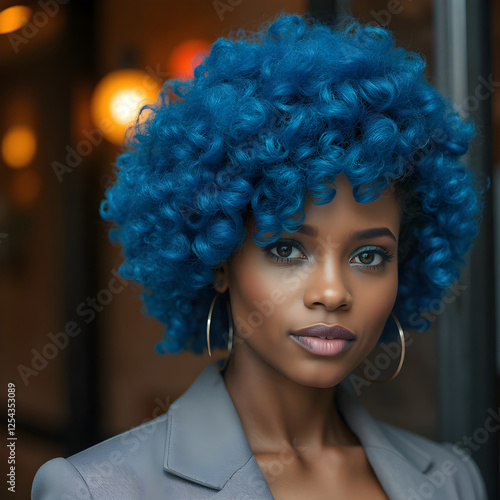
253, 289
378, 299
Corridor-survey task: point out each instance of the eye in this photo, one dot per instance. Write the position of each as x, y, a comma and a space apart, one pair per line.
371, 257
285, 251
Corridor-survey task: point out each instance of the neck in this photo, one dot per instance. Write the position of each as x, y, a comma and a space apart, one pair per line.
278, 413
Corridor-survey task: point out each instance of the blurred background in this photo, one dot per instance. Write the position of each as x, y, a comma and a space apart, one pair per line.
74, 338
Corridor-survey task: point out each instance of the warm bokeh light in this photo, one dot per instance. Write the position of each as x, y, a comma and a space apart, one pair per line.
14, 17
118, 98
186, 56
18, 146
25, 187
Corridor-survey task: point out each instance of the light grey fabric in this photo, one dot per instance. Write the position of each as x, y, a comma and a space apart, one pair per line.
198, 450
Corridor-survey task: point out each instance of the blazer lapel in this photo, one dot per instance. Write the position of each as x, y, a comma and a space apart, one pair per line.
398, 462
206, 444
205, 441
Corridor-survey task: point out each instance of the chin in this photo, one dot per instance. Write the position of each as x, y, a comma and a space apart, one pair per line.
316, 376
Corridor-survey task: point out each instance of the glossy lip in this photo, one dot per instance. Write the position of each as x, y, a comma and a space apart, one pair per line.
323, 330
338, 339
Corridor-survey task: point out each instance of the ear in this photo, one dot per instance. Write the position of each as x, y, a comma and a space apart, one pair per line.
221, 278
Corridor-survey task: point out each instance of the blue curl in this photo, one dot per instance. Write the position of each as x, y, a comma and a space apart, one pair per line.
269, 116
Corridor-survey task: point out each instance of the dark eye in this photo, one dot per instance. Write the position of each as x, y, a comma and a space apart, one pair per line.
285, 251
371, 257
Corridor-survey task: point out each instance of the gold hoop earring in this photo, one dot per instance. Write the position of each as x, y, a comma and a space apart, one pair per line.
231, 333
401, 359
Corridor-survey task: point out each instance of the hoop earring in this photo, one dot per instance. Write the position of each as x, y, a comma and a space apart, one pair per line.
401, 359
231, 333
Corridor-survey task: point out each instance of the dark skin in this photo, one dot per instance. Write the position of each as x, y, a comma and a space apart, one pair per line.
284, 394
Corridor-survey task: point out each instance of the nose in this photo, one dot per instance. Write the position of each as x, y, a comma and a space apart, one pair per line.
327, 287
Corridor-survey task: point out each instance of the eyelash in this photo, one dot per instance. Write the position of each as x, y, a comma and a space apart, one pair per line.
378, 250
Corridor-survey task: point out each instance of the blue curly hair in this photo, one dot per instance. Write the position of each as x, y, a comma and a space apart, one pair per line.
273, 116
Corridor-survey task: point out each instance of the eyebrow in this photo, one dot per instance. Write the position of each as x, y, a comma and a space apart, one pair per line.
373, 232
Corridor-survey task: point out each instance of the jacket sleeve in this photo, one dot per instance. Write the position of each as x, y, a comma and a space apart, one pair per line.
474, 477
58, 479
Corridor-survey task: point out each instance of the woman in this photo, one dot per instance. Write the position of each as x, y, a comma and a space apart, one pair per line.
308, 179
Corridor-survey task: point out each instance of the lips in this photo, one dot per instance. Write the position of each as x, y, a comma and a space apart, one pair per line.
328, 331
336, 339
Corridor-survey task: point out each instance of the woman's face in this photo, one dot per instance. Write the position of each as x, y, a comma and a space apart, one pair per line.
342, 270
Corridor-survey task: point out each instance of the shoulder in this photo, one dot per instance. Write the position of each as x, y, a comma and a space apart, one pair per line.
56, 478
449, 467
117, 468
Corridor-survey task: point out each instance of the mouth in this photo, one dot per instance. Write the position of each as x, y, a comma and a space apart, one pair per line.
324, 340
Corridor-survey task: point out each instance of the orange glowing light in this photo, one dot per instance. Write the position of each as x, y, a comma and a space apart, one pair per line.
14, 17
18, 146
118, 98
186, 56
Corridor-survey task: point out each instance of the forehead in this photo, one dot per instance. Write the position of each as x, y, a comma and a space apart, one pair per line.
344, 215
344, 212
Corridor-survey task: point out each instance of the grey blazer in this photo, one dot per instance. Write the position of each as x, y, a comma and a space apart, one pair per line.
198, 450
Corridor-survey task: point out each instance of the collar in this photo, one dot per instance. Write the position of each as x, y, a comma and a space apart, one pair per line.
205, 440
376, 436
206, 443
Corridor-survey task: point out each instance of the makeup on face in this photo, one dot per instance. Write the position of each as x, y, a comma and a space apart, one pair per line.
324, 340
313, 304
